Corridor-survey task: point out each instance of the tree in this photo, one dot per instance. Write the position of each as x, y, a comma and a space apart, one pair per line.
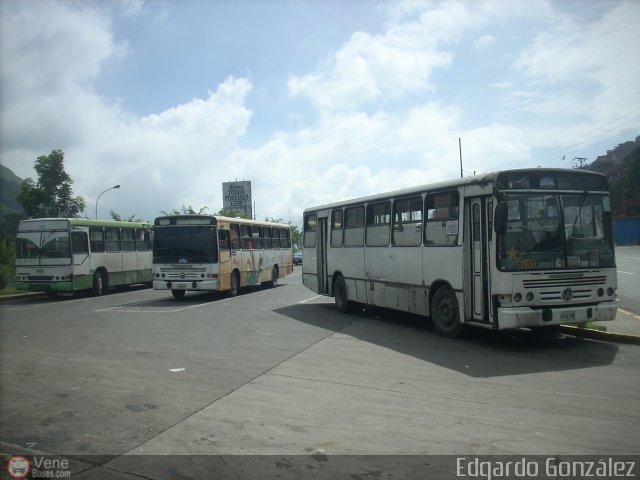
116, 216
233, 214
187, 211
51, 195
7, 260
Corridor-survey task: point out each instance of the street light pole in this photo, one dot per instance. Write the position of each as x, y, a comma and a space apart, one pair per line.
112, 188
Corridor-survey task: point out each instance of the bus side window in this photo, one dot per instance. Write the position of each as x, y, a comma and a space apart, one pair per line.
143, 242
79, 243
245, 235
378, 221
441, 222
96, 235
285, 238
256, 236
310, 226
128, 240
223, 236
336, 228
267, 237
407, 222
354, 227
112, 237
234, 232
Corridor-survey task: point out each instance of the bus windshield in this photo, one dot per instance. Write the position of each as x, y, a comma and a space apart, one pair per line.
39, 246
555, 231
185, 244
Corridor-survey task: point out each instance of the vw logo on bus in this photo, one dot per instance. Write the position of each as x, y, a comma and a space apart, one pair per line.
567, 294
182, 275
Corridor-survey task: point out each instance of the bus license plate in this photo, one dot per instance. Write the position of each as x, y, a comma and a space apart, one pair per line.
568, 316
181, 286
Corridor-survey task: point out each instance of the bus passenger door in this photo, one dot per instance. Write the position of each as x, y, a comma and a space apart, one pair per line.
321, 250
225, 267
479, 249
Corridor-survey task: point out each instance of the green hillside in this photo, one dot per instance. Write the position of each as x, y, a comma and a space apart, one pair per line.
9, 189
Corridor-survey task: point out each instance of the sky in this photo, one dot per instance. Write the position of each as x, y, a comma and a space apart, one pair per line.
312, 101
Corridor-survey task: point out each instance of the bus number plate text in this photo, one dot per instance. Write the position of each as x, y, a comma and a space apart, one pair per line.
568, 316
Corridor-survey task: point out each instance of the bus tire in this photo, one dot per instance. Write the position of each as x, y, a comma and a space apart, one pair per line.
343, 303
235, 283
445, 313
178, 294
99, 283
274, 277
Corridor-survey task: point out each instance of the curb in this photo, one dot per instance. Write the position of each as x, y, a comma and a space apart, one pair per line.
598, 335
15, 296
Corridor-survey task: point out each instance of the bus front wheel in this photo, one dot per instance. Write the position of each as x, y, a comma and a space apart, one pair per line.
178, 294
445, 314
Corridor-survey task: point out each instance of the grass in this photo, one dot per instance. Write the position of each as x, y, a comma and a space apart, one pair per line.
592, 326
9, 290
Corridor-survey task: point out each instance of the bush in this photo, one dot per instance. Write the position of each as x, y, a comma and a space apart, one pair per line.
7, 261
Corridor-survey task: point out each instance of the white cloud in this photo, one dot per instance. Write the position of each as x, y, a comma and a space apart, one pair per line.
600, 56
380, 122
484, 42
401, 61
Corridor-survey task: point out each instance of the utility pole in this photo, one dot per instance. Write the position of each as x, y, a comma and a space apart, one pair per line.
460, 150
581, 160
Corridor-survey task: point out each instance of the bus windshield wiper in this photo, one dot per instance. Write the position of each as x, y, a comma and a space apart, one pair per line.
583, 197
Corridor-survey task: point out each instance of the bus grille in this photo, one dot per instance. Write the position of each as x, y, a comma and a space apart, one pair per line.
552, 289
41, 278
564, 282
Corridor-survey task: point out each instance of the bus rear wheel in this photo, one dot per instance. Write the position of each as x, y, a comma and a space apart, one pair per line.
274, 277
99, 283
343, 303
235, 283
445, 314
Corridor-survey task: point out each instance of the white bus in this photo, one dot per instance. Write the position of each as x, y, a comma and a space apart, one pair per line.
56, 255
215, 253
519, 248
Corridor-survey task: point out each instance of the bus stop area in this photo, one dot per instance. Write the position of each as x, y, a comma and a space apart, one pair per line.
277, 384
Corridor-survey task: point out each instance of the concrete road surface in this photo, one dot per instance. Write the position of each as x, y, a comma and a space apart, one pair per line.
281, 372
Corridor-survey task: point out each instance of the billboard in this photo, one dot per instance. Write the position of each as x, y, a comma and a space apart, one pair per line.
237, 196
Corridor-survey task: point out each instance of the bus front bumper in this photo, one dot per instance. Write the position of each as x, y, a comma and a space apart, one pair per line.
203, 285
45, 287
517, 317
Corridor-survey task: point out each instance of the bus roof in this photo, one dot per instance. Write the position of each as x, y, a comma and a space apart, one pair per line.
86, 222
483, 179
220, 218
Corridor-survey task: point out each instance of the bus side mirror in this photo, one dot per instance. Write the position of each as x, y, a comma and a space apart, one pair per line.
500, 218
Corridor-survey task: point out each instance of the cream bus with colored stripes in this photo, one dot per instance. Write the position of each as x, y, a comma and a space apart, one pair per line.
215, 253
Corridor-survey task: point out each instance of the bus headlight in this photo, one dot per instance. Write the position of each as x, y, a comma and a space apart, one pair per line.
610, 291
529, 296
517, 297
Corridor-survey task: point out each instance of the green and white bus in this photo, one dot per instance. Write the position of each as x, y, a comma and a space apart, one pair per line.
57, 255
